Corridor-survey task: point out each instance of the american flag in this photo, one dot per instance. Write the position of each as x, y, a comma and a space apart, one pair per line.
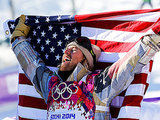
49, 35
114, 32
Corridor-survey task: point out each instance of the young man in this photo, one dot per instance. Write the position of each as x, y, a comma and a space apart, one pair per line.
75, 90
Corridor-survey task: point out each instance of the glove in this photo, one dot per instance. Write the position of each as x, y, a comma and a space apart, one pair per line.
21, 29
153, 41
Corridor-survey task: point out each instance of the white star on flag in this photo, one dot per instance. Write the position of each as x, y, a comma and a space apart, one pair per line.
59, 18
26, 18
59, 43
42, 48
12, 26
47, 19
75, 30
34, 33
36, 21
46, 55
47, 42
57, 57
63, 50
67, 37
54, 35
52, 49
43, 34
50, 28
62, 29
38, 41
38, 27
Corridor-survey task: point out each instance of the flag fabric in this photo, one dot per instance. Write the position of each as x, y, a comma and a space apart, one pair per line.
114, 32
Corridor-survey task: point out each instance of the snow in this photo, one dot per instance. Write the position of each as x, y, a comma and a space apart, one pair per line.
54, 7
150, 111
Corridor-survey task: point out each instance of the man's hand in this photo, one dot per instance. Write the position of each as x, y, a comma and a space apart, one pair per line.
153, 41
21, 29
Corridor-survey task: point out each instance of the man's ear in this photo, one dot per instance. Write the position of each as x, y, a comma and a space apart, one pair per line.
85, 63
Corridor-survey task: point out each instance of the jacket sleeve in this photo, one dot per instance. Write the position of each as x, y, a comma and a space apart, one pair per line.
33, 67
113, 80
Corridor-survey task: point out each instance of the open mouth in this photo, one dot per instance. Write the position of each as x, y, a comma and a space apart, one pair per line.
66, 59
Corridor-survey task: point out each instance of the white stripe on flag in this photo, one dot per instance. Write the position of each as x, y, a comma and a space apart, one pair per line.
135, 89
28, 90
145, 69
32, 113
20, 69
149, 77
130, 112
148, 17
110, 35
110, 57
117, 101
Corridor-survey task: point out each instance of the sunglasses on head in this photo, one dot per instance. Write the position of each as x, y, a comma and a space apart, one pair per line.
86, 43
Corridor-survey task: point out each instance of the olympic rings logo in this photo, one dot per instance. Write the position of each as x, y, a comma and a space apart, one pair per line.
66, 91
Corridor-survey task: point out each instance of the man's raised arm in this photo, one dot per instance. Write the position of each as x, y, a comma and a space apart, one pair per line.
32, 65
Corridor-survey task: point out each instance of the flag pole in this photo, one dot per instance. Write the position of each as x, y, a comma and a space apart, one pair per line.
73, 8
11, 9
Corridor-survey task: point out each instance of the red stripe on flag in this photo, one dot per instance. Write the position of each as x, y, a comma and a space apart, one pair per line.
23, 79
20, 118
127, 119
140, 78
122, 93
27, 101
114, 111
156, 27
130, 26
151, 64
112, 46
132, 101
102, 65
146, 88
112, 14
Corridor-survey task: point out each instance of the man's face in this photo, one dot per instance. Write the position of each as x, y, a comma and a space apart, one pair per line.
71, 57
